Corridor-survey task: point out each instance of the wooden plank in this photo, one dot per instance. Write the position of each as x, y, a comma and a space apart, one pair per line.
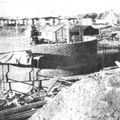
73, 78
20, 115
117, 63
21, 108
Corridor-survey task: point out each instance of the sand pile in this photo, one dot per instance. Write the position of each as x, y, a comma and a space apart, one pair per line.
94, 97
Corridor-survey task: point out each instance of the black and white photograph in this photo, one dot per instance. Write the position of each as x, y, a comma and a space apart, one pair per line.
59, 60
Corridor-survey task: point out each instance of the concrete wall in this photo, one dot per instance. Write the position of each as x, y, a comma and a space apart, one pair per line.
67, 59
108, 59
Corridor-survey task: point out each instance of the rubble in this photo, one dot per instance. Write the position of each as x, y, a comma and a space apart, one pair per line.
15, 103
15, 99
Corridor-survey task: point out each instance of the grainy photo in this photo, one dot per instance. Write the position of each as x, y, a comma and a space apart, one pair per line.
59, 60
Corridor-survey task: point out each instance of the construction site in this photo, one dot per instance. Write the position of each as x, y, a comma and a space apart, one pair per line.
59, 69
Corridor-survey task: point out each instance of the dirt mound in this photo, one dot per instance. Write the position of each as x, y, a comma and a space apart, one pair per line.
94, 97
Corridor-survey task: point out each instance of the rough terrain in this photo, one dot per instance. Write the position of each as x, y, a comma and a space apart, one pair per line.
95, 97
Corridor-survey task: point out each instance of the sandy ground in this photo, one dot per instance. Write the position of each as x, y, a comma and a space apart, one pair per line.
95, 97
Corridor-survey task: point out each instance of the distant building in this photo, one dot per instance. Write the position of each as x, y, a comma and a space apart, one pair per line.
79, 32
108, 17
49, 20
54, 33
84, 19
72, 20
7, 22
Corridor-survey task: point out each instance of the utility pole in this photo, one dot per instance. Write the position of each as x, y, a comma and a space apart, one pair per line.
80, 33
68, 32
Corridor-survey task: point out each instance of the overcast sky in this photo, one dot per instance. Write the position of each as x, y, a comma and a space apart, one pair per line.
33, 8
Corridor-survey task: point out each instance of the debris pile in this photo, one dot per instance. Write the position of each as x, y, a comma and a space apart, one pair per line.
15, 99
15, 105
94, 97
